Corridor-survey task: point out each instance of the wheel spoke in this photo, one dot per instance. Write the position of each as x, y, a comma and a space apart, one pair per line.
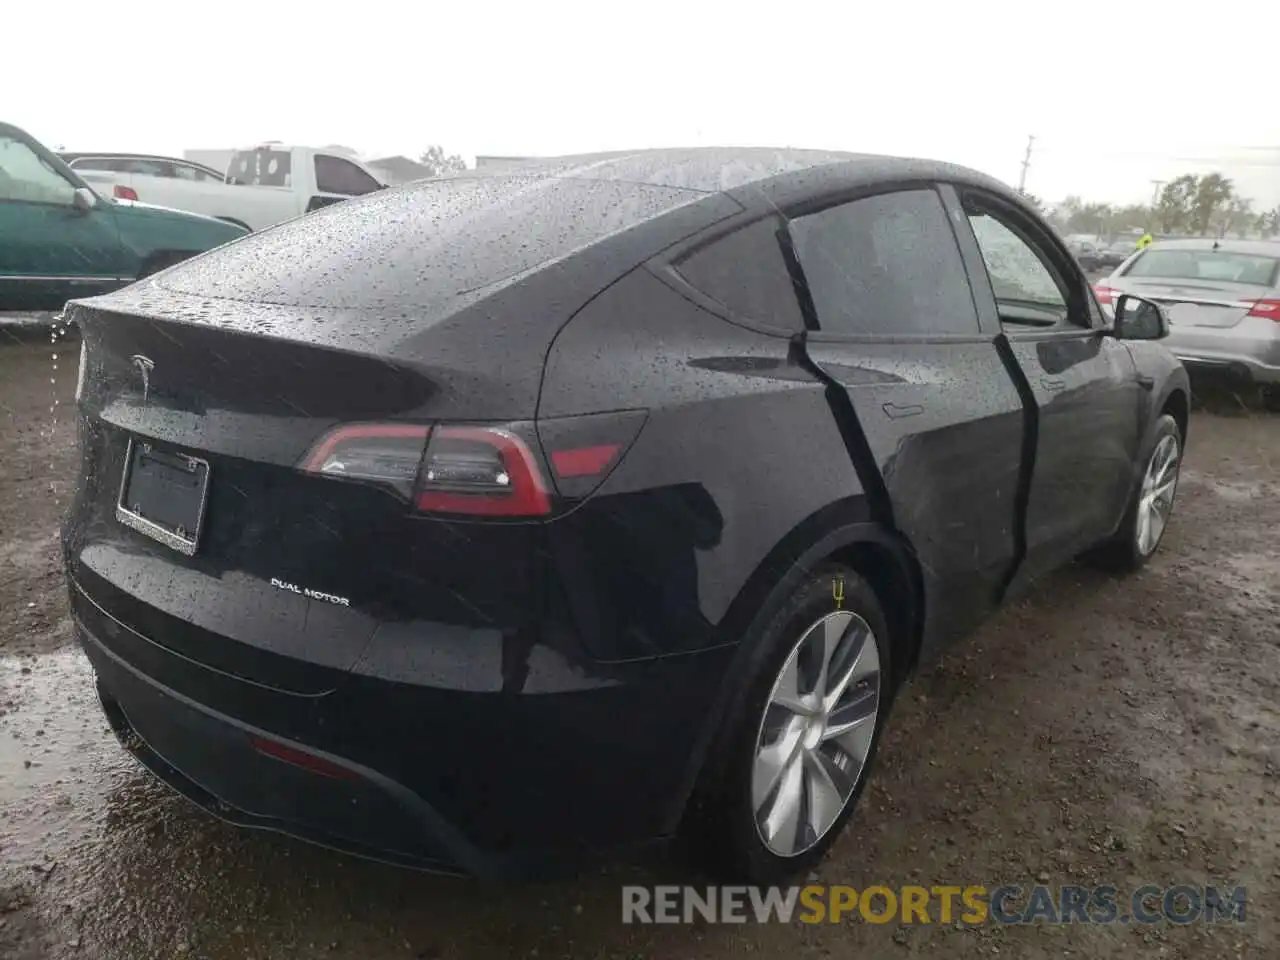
781, 826
1155, 527
857, 657
848, 716
834, 628
1144, 524
1163, 494
772, 761
825, 797
786, 692
855, 739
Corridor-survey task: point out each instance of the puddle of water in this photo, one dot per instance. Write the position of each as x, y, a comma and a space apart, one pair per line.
56, 754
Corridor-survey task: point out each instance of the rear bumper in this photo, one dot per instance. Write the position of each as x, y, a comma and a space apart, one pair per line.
492, 785
1232, 351
208, 758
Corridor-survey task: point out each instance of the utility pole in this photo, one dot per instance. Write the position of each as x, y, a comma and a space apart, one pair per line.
1026, 162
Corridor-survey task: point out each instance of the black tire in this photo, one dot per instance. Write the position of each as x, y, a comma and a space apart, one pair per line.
1123, 553
723, 821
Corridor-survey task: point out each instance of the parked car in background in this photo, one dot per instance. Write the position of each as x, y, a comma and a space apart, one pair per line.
263, 185
620, 499
144, 164
58, 239
1223, 300
1116, 253
1085, 251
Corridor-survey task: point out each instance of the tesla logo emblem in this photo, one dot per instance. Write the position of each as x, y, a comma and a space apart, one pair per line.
144, 366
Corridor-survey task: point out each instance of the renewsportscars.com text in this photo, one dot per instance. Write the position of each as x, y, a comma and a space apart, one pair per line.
971, 904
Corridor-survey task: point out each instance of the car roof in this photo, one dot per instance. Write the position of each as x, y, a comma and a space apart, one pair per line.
1268, 248
714, 170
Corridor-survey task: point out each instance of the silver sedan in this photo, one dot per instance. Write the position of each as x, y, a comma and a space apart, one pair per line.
1222, 298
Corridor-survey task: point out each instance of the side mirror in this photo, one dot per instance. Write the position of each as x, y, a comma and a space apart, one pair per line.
1137, 318
84, 200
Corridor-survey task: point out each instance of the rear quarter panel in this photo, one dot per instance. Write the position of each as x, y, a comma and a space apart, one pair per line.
739, 449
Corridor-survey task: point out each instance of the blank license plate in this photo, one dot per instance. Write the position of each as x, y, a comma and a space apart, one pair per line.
162, 495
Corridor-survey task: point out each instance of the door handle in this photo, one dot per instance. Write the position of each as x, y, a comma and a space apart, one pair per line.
897, 412
1052, 385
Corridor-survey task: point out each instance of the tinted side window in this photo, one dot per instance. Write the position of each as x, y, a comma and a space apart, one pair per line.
335, 175
887, 264
744, 271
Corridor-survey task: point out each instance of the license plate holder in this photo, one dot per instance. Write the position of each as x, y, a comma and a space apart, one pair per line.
163, 495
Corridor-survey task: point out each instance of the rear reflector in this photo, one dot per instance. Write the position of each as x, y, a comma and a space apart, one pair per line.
1268, 309
124, 193
584, 461
301, 758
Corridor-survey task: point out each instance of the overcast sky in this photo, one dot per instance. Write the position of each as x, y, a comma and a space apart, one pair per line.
1116, 94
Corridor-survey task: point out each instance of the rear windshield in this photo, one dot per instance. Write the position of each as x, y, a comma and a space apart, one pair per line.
263, 167
425, 246
1220, 266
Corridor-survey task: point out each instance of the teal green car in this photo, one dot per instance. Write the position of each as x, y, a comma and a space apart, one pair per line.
59, 240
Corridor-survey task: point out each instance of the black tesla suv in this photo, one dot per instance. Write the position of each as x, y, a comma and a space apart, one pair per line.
499, 520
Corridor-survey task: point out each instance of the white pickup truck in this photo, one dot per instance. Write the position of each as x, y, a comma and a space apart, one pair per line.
264, 185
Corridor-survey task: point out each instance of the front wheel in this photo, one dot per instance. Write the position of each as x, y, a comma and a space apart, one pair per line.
798, 757
1148, 513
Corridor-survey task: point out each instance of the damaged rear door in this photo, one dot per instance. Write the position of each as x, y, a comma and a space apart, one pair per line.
926, 403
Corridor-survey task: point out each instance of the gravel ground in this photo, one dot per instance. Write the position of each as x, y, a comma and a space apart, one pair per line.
1100, 731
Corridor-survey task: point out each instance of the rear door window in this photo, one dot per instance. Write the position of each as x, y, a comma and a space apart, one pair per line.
746, 274
886, 265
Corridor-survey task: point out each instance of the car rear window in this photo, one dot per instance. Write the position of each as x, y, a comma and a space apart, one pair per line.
1222, 266
425, 246
263, 167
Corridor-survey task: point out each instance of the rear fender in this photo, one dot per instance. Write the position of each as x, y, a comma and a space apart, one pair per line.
785, 568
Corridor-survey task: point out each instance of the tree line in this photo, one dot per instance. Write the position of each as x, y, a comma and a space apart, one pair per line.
1191, 205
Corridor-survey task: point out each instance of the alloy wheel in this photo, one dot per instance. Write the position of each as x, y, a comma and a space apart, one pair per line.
816, 733
1155, 502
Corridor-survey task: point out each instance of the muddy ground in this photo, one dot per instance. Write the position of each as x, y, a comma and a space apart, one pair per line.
1101, 731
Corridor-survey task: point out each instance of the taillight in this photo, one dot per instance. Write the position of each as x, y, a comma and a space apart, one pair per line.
124, 193
385, 454
1106, 295
1268, 309
480, 470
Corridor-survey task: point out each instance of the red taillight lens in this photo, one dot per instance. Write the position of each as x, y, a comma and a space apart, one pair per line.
1267, 309
386, 454
1106, 295
124, 193
481, 471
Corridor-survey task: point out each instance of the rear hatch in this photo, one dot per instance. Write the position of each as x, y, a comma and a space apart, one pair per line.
246, 562
1201, 287
259, 426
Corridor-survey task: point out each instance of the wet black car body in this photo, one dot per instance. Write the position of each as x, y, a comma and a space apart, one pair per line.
690, 406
